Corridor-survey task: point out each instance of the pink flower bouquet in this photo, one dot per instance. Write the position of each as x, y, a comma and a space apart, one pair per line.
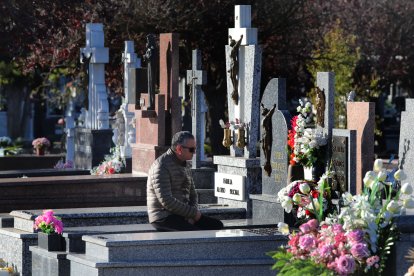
356, 239
42, 142
48, 223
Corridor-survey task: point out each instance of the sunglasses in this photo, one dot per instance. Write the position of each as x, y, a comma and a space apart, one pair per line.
190, 149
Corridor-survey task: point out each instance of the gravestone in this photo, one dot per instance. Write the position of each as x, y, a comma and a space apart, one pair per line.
241, 168
195, 78
274, 131
94, 141
344, 160
154, 128
325, 82
361, 117
405, 152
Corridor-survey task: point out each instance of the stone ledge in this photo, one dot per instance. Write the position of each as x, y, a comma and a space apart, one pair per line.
241, 162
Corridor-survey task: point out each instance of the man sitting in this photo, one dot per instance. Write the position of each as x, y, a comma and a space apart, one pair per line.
171, 196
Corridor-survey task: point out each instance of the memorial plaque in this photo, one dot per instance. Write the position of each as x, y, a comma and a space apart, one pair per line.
229, 186
340, 163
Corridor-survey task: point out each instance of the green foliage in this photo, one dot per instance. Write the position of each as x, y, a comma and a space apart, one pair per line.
9, 73
340, 55
287, 266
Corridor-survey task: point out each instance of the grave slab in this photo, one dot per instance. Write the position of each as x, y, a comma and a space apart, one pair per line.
80, 191
14, 242
233, 252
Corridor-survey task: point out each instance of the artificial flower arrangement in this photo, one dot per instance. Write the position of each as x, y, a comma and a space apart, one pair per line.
232, 125
301, 197
112, 164
48, 223
63, 165
304, 142
39, 143
355, 239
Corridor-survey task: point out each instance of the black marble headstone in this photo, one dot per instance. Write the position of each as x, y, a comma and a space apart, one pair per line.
340, 163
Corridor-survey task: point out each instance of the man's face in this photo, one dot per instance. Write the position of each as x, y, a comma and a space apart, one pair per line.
187, 150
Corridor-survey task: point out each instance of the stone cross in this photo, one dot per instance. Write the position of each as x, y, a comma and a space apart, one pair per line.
131, 62
197, 77
97, 116
325, 82
361, 117
406, 146
247, 110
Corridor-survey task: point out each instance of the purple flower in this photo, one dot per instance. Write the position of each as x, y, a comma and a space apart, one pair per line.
356, 236
360, 250
337, 228
304, 228
345, 264
307, 242
313, 224
326, 250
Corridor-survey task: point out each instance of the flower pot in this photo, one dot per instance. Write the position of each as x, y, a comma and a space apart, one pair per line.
51, 242
40, 151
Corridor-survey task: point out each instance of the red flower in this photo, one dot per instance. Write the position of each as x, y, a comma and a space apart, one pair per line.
315, 194
111, 170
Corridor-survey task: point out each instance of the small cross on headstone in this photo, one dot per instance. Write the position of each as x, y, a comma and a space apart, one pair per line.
197, 77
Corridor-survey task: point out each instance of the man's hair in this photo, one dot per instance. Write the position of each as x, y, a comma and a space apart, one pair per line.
180, 138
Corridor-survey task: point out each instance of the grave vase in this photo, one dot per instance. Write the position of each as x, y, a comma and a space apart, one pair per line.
240, 138
1, 152
295, 172
313, 172
40, 151
227, 138
51, 242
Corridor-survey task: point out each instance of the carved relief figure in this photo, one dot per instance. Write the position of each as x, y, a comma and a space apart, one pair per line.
267, 136
320, 107
234, 67
150, 58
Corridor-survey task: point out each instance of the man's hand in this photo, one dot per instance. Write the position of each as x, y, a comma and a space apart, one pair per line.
198, 216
